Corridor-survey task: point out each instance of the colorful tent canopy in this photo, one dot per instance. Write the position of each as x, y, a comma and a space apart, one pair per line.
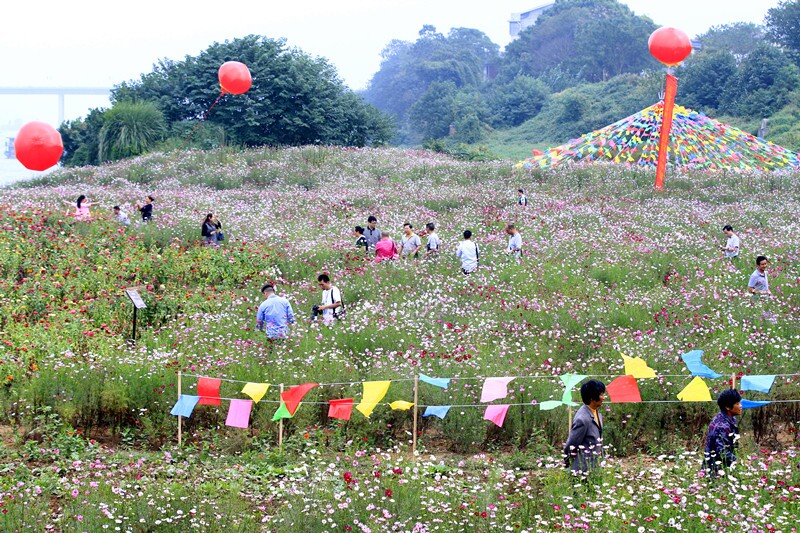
696, 142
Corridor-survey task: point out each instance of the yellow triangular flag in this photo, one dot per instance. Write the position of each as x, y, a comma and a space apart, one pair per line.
696, 391
637, 367
255, 390
400, 405
374, 391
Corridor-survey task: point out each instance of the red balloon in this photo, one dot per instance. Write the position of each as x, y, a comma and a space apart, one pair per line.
234, 77
38, 146
669, 45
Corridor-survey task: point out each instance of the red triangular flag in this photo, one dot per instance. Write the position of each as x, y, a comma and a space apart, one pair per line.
340, 409
208, 390
624, 389
294, 395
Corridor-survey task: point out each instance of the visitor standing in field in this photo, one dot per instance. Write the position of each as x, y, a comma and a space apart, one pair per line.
372, 233
121, 217
759, 284
209, 230
361, 241
434, 242
731, 247
514, 248
385, 249
147, 209
522, 199
82, 211
331, 305
274, 314
410, 243
584, 447
468, 253
723, 433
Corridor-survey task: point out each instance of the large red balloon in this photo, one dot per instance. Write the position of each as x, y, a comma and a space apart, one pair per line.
38, 146
669, 45
234, 77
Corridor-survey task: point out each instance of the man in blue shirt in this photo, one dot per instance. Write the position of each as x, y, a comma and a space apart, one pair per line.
274, 314
759, 284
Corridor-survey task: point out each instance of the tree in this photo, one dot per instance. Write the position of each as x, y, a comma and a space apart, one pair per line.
129, 128
783, 24
513, 103
705, 78
80, 138
763, 83
739, 38
295, 99
432, 114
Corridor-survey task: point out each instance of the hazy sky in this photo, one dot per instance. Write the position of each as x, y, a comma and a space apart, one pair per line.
94, 43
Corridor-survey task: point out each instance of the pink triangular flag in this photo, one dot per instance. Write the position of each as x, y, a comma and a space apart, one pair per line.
495, 388
239, 414
496, 413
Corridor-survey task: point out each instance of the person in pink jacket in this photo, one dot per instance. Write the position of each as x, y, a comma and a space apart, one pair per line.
385, 249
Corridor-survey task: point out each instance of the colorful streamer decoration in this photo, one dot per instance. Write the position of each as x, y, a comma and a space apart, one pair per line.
292, 397
750, 404
208, 390
374, 391
341, 409
696, 391
400, 405
694, 362
637, 367
757, 383
185, 405
436, 410
436, 382
696, 142
624, 389
282, 412
494, 389
569, 381
239, 414
496, 414
255, 390
549, 405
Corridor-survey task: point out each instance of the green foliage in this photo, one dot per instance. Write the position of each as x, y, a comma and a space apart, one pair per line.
705, 79
513, 103
783, 24
81, 139
129, 128
739, 38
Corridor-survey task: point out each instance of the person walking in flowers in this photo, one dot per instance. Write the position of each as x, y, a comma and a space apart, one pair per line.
758, 285
583, 450
723, 433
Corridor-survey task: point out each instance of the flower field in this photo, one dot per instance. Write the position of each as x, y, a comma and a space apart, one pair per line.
610, 267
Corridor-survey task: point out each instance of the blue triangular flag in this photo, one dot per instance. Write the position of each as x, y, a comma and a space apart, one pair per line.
436, 382
750, 404
185, 405
757, 383
694, 362
436, 410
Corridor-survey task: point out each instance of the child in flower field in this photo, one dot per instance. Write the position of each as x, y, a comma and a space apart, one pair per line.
82, 206
584, 447
723, 433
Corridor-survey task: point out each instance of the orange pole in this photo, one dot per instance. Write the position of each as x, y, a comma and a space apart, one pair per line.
666, 126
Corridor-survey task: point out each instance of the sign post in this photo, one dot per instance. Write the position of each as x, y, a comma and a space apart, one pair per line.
138, 303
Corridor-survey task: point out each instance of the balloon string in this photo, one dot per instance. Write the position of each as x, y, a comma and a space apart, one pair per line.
186, 140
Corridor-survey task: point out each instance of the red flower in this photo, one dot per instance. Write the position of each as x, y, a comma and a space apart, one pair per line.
388, 493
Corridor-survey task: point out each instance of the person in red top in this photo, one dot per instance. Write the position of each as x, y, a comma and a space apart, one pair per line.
385, 249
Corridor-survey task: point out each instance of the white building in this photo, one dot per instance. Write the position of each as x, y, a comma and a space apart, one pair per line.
520, 21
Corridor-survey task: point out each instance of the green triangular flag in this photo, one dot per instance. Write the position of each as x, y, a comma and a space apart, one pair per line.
569, 381
282, 412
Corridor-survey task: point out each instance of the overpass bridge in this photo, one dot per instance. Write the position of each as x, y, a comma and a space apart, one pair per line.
61, 92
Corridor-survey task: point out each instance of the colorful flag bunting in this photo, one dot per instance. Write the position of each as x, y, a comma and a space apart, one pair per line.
549, 405
637, 367
185, 405
750, 404
239, 414
757, 383
341, 409
696, 391
400, 405
495, 388
374, 391
282, 412
294, 396
569, 381
496, 413
436, 410
255, 390
208, 390
624, 389
436, 382
694, 362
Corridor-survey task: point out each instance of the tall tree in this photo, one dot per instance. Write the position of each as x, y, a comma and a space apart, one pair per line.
130, 128
739, 38
783, 24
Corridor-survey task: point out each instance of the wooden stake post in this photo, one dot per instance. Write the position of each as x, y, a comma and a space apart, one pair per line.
280, 428
414, 436
180, 418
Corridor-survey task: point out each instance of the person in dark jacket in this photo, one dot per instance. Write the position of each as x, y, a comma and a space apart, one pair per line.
584, 447
723, 433
209, 230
